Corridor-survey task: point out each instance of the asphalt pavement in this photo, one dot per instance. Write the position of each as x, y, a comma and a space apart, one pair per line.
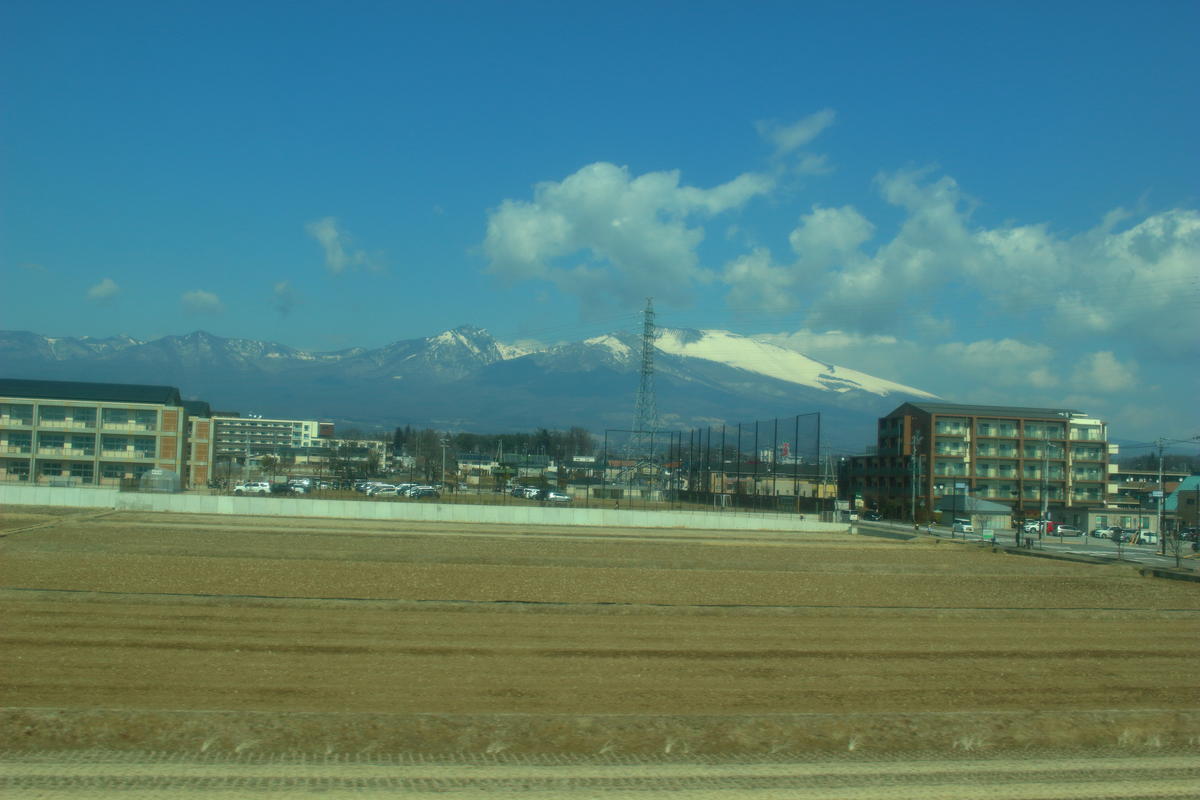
1085, 545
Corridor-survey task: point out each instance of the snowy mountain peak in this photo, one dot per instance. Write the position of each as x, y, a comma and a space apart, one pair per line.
614, 345
773, 361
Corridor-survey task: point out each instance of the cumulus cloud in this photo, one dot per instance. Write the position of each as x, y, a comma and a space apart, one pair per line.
198, 301
102, 291
1142, 278
603, 230
284, 297
1104, 372
340, 253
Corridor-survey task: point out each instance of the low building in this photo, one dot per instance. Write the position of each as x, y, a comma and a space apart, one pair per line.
1182, 506
98, 434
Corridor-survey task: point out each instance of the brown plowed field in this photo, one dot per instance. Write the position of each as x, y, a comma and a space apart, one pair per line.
189, 633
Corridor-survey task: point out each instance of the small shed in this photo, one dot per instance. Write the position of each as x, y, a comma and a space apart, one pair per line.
159, 480
984, 515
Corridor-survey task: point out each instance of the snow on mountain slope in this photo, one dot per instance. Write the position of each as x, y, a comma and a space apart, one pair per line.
614, 345
773, 361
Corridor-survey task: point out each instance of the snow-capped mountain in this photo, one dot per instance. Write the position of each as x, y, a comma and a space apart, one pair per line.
465, 379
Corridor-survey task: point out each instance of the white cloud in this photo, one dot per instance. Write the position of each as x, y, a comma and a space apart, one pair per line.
602, 231
284, 297
828, 236
340, 254
198, 301
756, 283
1142, 281
788, 138
104, 290
1104, 372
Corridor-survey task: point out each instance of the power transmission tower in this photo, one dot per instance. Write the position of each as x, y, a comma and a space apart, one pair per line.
645, 417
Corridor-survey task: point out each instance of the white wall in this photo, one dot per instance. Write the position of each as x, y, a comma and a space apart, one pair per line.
81, 497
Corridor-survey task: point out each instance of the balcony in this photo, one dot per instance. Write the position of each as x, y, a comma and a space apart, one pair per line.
128, 455
18, 450
16, 422
128, 426
67, 452
67, 425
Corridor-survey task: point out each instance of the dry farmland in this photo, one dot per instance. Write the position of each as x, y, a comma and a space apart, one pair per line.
181, 634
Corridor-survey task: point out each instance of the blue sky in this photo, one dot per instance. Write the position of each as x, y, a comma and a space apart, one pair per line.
994, 202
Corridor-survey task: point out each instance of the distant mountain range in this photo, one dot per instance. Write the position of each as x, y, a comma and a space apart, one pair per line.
464, 379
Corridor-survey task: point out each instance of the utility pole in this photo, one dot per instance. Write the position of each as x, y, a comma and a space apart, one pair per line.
1045, 485
444, 446
915, 446
1162, 538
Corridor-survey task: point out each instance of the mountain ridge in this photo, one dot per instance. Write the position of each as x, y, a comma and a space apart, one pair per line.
464, 378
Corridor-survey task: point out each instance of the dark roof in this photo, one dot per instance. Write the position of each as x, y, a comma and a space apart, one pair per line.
197, 408
96, 392
967, 410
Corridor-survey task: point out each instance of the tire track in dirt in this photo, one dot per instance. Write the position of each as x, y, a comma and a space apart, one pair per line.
147, 774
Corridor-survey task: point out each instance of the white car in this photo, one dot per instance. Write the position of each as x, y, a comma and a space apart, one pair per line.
961, 526
253, 487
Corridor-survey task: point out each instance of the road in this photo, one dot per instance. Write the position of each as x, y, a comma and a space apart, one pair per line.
1085, 545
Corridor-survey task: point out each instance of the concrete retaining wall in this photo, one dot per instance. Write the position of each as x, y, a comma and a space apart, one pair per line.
82, 497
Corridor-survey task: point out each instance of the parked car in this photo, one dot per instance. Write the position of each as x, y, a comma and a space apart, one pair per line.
963, 526
417, 492
385, 491
1145, 537
872, 516
558, 497
1067, 530
253, 487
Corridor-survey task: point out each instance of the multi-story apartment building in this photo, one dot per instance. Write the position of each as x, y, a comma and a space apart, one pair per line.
255, 436
89, 433
1033, 460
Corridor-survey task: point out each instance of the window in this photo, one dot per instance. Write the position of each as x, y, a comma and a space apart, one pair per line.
19, 442
52, 468
81, 471
52, 415
51, 441
112, 470
83, 445
114, 444
16, 413
115, 416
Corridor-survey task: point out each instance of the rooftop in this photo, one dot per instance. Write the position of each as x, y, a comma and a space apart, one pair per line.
94, 392
967, 410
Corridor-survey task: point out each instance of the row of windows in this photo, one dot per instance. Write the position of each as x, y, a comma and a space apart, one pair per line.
84, 470
1009, 450
77, 416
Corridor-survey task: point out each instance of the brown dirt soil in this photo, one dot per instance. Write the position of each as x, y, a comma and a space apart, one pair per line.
178, 632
